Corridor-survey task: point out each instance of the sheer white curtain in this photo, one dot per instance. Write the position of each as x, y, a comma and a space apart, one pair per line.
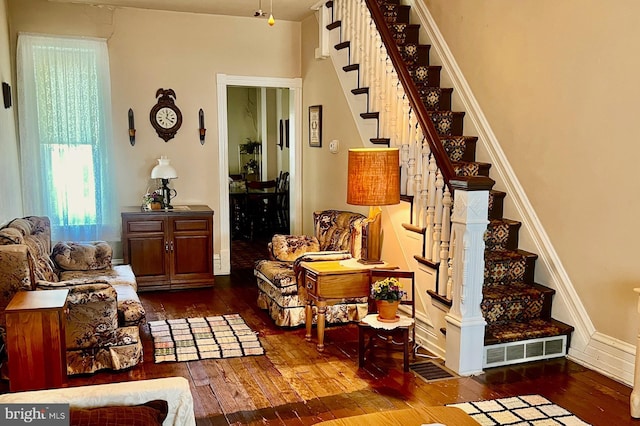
64, 94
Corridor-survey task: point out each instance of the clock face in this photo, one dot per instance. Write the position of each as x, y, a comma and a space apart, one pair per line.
166, 117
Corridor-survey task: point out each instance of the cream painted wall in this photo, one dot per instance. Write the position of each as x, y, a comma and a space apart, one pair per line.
10, 198
241, 116
558, 83
153, 49
324, 174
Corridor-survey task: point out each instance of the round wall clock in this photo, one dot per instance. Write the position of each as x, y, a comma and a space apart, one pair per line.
165, 116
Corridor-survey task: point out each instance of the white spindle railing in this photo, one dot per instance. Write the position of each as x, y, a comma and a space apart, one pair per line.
420, 175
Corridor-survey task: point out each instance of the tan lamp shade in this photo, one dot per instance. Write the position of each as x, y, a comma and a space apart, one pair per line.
374, 177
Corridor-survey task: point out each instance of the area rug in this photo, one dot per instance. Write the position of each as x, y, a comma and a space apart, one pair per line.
533, 410
189, 339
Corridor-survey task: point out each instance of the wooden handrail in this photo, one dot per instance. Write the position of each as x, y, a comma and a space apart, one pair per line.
470, 183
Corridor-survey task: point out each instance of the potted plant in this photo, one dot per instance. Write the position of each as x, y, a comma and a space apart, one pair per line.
387, 293
251, 146
152, 200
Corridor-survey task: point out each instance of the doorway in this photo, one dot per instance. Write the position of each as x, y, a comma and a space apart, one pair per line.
294, 86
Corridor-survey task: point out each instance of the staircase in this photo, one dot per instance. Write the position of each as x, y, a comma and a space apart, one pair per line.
517, 310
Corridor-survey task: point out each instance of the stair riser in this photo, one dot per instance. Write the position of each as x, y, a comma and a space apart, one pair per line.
472, 169
448, 123
426, 77
504, 271
502, 236
395, 14
405, 34
521, 309
436, 99
462, 148
496, 204
415, 54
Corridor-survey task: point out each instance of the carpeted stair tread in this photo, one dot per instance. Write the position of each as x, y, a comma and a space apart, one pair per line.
533, 329
502, 234
515, 302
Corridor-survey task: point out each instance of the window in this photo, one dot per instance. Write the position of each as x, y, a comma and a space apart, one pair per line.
65, 135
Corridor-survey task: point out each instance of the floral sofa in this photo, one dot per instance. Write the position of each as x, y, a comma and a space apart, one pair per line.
103, 306
338, 235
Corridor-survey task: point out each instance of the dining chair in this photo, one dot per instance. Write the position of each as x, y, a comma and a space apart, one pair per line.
375, 335
261, 206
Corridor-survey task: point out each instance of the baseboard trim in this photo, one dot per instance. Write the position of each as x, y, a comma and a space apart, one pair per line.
608, 356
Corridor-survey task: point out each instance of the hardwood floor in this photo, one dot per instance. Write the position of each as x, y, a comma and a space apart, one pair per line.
293, 384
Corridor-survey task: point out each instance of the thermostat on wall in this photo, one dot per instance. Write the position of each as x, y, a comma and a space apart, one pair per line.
334, 145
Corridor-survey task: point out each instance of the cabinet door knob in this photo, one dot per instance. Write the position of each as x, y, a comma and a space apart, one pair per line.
171, 245
166, 246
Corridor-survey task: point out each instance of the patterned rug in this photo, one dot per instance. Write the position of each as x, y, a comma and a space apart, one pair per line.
533, 410
189, 339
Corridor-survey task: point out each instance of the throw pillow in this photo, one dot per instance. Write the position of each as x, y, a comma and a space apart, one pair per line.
151, 413
72, 256
288, 248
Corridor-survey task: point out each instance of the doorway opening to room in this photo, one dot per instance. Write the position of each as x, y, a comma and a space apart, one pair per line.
259, 132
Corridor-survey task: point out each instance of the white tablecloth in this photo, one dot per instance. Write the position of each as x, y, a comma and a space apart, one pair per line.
372, 320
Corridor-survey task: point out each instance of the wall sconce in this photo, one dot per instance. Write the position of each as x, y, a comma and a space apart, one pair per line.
132, 129
203, 131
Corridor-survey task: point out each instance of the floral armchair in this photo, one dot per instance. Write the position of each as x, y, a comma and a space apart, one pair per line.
338, 235
104, 310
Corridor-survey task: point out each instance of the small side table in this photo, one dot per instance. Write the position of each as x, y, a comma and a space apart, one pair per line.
327, 282
36, 346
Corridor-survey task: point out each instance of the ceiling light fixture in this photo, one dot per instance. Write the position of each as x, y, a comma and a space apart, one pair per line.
259, 12
271, 21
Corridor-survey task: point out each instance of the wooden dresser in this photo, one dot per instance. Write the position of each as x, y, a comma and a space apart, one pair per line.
169, 249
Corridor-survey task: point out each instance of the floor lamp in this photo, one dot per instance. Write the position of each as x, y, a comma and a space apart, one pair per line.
373, 180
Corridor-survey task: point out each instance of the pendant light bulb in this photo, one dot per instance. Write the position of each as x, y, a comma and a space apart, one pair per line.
271, 21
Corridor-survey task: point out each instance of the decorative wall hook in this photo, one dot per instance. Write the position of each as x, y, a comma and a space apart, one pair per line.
132, 129
203, 131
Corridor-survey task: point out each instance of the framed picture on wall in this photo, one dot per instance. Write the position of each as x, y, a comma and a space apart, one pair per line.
315, 126
281, 141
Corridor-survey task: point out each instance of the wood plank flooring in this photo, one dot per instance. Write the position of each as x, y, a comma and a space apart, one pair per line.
293, 384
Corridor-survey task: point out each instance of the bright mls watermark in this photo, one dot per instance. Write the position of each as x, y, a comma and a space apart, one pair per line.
34, 414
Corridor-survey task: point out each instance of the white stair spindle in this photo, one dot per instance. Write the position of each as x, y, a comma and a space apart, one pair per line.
437, 229
443, 274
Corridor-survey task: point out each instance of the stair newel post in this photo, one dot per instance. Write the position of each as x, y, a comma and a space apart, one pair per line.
465, 323
443, 268
438, 217
431, 206
404, 165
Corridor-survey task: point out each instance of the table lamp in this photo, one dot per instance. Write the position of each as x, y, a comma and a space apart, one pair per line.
165, 171
373, 180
